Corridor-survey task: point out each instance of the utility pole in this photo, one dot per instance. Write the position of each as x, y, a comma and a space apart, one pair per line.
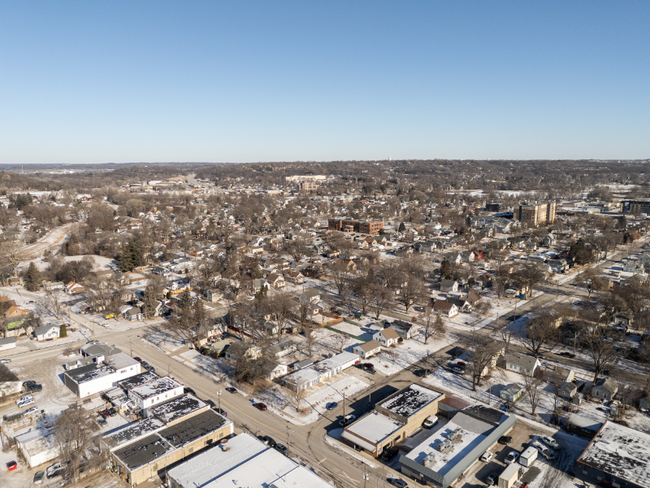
219, 398
343, 405
131, 346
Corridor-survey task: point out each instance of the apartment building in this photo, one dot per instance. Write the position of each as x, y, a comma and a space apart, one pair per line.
534, 214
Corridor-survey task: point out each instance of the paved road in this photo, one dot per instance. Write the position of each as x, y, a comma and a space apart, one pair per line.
51, 239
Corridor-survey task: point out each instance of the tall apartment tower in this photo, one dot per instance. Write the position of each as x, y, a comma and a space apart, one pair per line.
536, 214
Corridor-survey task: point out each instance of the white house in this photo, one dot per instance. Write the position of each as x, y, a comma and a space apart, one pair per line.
522, 363
367, 349
445, 308
47, 332
386, 337
279, 370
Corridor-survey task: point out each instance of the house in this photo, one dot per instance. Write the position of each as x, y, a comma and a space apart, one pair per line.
522, 363
445, 308
260, 284
47, 332
310, 296
134, 313
512, 393
276, 280
213, 295
557, 375
549, 240
367, 349
295, 276
276, 371
449, 285
14, 311
238, 349
569, 390
406, 330
461, 303
386, 337
53, 285
74, 288
604, 389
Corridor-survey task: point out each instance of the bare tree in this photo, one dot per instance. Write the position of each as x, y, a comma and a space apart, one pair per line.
296, 398
412, 290
533, 390
432, 324
74, 429
51, 303
280, 306
506, 335
381, 297
481, 351
340, 275
540, 334
310, 340
528, 276
600, 345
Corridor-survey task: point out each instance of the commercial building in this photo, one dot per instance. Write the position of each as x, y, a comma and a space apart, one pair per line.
449, 452
536, 214
394, 419
142, 449
618, 457
351, 225
636, 206
242, 461
155, 392
99, 373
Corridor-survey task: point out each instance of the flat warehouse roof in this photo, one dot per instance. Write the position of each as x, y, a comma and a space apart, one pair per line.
155, 387
138, 379
143, 451
133, 431
193, 428
374, 427
177, 408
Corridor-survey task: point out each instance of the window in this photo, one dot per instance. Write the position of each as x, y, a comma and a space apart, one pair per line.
190, 450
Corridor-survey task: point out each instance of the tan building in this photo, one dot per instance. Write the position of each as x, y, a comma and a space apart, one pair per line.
394, 419
536, 214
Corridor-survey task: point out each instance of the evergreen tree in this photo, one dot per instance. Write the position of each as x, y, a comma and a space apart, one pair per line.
149, 302
63, 331
131, 255
32, 279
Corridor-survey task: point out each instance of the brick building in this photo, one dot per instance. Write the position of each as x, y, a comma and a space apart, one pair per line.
536, 214
360, 226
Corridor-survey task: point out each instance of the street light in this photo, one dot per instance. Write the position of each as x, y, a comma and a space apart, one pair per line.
219, 399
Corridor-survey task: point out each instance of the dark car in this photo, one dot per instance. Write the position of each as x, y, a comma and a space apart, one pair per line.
282, 448
28, 383
138, 359
267, 440
389, 454
112, 412
331, 406
492, 478
567, 355
34, 388
104, 414
210, 403
260, 406
230, 389
397, 482
38, 477
505, 439
419, 373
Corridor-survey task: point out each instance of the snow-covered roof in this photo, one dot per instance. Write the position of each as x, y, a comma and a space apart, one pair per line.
177, 408
246, 462
155, 387
620, 451
374, 427
410, 400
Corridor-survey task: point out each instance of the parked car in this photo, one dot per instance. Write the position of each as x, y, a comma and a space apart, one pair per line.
101, 421
389, 454
505, 439
267, 440
11, 465
512, 457
486, 456
5, 361
282, 448
31, 411
492, 478
419, 373
230, 389
398, 482
260, 406
348, 419
112, 412
28, 383
38, 477
331, 406
33, 388
24, 401
138, 359
549, 441
111, 315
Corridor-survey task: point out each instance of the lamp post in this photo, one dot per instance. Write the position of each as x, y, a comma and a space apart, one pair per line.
219, 398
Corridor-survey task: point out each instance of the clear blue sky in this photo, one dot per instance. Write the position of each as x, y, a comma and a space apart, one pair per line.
233, 81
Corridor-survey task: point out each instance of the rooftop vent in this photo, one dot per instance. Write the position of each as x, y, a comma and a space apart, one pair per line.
444, 446
224, 445
455, 435
429, 460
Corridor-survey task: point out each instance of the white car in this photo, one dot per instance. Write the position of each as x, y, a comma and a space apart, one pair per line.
487, 455
24, 401
549, 441
31, 410
512, 457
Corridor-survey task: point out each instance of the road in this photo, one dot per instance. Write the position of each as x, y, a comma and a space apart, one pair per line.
51, 239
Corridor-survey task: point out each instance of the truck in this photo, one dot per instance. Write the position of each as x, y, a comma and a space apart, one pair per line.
528, 456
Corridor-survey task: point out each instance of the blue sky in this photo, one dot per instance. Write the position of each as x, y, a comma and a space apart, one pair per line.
285, 81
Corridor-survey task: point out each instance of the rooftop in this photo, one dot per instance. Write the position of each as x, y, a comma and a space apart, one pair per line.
90, 372
374, 427
137, 380
177, 408
621, 451
247, 463
155, 387
133, 431
193, 428
410, 400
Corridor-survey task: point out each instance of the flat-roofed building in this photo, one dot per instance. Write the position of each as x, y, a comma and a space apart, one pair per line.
142, 449
243, 461
536, 213
394, 419
155, 392
103, 373
443, 457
